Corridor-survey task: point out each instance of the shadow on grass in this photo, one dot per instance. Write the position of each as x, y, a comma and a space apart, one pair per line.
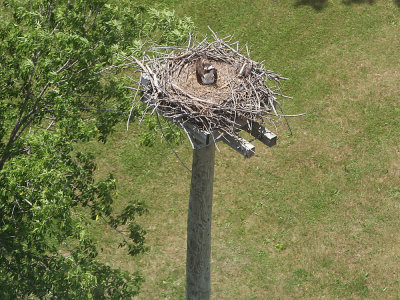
321, 4
316, 4
348, 2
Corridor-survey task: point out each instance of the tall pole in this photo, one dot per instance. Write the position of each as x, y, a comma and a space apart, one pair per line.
198, 255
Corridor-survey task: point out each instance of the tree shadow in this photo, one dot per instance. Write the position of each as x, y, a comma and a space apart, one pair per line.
349, 2
316, 4
321, 4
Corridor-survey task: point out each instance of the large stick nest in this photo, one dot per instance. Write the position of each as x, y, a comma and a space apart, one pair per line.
244, 91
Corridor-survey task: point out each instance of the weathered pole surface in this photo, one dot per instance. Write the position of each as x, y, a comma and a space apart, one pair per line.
198, 254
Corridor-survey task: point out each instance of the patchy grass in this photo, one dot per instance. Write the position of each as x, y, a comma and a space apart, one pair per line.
315, 216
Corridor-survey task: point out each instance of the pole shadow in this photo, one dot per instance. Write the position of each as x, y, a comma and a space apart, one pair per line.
316, 4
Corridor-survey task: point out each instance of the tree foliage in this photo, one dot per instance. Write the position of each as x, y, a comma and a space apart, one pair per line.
54, 92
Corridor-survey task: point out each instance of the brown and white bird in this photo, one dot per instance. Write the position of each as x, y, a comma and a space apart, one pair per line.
245, 70
206, 73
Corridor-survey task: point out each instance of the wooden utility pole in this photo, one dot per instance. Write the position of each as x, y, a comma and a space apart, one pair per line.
198, 255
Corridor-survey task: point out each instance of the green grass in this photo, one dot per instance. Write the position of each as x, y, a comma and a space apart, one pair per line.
314, 217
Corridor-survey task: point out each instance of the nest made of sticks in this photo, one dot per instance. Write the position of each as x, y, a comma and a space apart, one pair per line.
245, 90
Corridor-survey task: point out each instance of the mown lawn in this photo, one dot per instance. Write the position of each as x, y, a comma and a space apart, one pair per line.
316, 216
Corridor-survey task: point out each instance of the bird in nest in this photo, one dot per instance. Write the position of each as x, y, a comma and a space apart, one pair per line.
245, 70
206, 73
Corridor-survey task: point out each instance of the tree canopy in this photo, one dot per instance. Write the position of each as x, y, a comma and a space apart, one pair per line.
57, 90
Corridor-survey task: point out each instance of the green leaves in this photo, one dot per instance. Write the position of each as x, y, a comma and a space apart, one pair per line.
54, 92
41, 196
171, 29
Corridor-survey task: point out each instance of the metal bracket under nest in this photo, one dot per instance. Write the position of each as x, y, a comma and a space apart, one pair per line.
201, 138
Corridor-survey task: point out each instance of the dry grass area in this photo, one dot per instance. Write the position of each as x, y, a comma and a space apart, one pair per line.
316, 216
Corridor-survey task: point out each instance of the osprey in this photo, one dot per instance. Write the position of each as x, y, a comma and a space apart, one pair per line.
206, 73
245, 70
